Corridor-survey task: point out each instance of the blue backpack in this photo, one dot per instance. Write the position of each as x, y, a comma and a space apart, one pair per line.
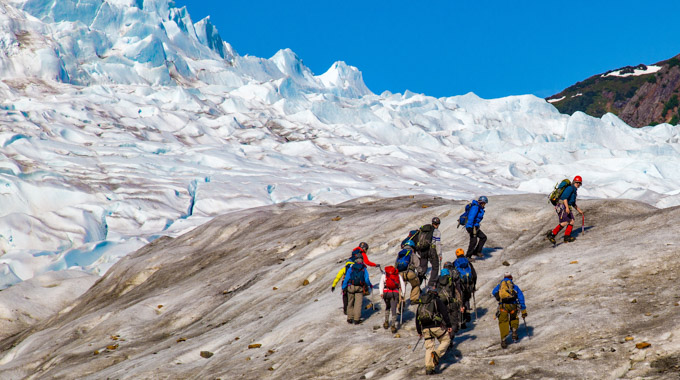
403, 259
464, 270
463, 218
356, 277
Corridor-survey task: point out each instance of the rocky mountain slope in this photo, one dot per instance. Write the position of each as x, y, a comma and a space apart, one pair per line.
246, 296
641, 95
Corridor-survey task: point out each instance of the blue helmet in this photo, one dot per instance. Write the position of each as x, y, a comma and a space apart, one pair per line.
483, 199
444, 272
408, 243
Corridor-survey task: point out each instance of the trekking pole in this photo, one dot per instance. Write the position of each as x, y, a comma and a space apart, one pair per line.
526, 331
414, 347
583, 222
474, 303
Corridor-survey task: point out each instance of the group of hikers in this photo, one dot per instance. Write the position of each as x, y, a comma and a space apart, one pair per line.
443, 303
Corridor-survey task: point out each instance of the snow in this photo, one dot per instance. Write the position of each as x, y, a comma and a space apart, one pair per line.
125, 126
636, 72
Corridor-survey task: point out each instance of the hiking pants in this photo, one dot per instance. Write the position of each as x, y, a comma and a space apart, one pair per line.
444, 340
508, 318
355, 299
412, 278
391, 302
476, 243
433, 259
344, 301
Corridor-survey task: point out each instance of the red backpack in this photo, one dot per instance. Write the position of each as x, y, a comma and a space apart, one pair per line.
391, 278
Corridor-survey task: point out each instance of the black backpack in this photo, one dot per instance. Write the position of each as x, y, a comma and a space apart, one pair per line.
356, 276
424, 238
427, 312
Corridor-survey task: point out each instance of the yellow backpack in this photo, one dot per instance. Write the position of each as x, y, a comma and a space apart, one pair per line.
507, 291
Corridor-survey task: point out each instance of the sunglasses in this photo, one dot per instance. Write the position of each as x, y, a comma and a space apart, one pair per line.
577, 182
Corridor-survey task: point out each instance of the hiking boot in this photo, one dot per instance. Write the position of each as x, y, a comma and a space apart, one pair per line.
358, 322
429, 371
504, 344
515, 337
569, 239
386, 325
550, 236
394, 329
350, 321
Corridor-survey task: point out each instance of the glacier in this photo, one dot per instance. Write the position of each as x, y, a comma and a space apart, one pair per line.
122, 121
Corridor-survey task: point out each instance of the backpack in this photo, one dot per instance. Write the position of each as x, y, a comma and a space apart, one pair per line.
356, 278
463, 218
427, 312
391, 278
554, 197
357, 253
403, 259
464, 270
411, 236
424, 238
507, 291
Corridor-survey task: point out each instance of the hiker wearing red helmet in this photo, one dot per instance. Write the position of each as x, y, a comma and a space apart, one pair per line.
564, 211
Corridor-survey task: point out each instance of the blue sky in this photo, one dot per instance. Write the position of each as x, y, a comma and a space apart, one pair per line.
444, 48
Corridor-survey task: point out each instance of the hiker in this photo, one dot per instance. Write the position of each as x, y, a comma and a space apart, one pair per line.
451, 294
432, 322
428, 246
360, 251
407, 263
391, 290
475, 214
468, 280
356, 284
341, 275
564, 206
510, 301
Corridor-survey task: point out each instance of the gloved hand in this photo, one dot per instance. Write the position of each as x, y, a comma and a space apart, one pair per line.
524, 313
332, 289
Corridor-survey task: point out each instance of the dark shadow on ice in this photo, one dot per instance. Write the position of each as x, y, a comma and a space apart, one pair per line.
576, 232
453, 354
488, 252
481, 311
527, 331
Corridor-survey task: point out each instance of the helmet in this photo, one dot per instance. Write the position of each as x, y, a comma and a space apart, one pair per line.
444, 272
507, 275
448, 265
363, 245
436, 221
459, 252
409, 243
484, 199
578, 179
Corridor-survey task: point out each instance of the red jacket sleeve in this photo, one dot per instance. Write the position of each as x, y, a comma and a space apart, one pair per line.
367, 261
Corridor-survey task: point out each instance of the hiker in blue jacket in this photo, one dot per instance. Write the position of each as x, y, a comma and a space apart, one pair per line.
477, 237
356, 284
510, 301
